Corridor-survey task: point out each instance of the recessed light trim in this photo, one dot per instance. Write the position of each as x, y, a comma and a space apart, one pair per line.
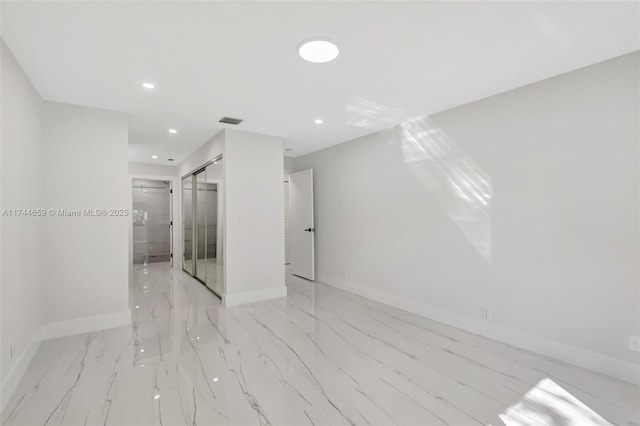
318, 121
148, 85
173, 131
154, 157
318, 50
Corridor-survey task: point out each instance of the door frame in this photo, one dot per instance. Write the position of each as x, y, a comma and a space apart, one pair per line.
193, 223
312, 226
173, 182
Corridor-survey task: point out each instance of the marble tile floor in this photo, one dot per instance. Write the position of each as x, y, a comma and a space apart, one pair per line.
319, 357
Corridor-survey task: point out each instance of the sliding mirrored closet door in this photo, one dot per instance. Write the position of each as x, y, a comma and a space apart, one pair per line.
202, 208
201, 226
187, 224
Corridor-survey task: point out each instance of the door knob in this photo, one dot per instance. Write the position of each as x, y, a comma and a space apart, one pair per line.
310, 230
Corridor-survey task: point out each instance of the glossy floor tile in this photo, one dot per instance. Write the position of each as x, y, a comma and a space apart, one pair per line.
318, 357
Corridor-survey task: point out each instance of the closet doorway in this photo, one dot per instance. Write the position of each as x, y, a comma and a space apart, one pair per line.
202, 225
152, 221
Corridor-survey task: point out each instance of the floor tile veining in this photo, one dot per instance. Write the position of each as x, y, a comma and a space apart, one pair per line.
318, 357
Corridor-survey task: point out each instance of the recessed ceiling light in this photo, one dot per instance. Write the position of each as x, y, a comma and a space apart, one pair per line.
148, 85
318, 121
154, 156
173, 131
169, 159
318, 50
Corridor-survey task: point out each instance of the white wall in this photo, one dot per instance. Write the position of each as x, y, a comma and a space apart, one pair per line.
58, 275
289, 163
21, 183
254, 214
86, 257
554, 252
207, 152
254, 243
151, 169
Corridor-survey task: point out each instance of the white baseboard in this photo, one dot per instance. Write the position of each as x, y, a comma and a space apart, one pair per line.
51, 331
254, 296
600, 363
10, 383
85, 325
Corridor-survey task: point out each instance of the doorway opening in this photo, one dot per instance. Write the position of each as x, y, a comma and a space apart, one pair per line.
152, 221
300, 223
203, 225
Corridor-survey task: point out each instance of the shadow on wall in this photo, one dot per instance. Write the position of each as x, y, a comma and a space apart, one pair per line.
465, 192
461, 186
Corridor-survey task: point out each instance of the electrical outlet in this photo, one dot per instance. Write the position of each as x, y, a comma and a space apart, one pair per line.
634, 343
486, 313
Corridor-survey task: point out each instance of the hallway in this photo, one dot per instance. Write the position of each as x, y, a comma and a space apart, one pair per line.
320, 356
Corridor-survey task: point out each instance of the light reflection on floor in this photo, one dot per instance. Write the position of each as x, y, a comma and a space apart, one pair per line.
320, 356
548, 403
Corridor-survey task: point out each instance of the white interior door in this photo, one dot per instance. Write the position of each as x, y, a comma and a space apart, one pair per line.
301, 225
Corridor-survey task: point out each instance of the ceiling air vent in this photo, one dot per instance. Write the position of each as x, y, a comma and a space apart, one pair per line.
231, 120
